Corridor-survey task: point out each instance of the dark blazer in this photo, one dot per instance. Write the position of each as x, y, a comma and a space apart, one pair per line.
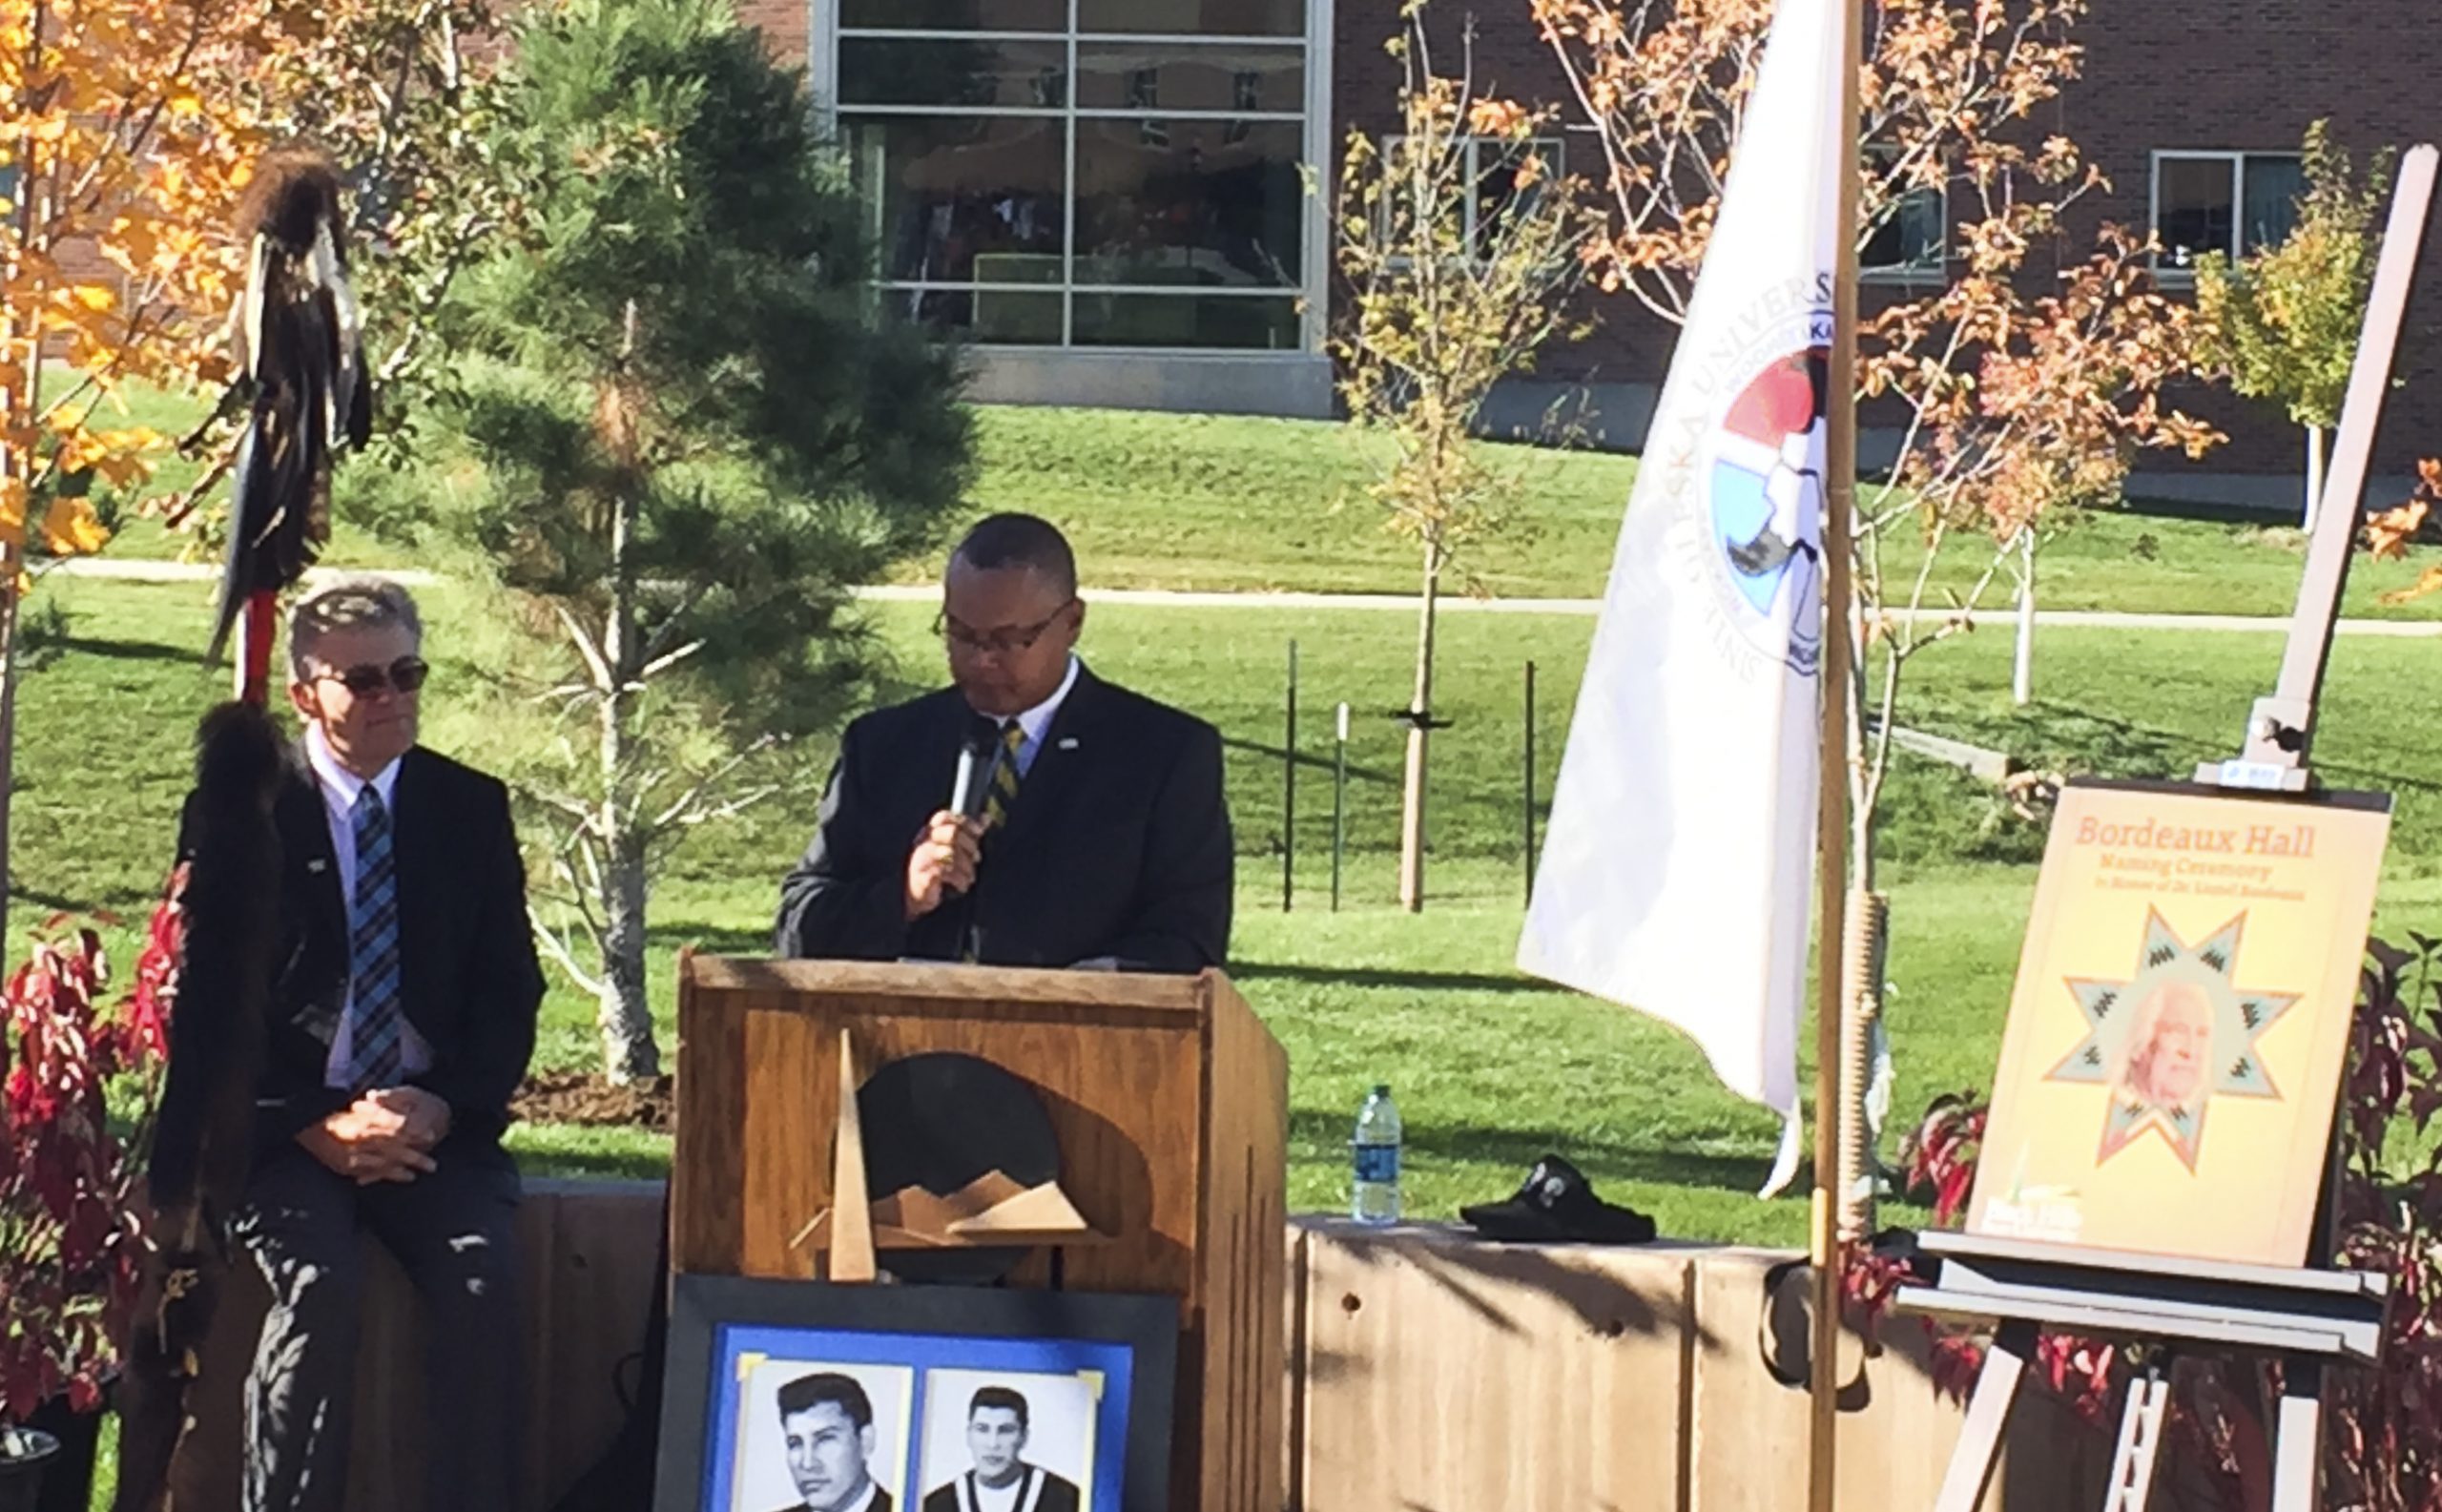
1058, 1494
470, 982
1118, 844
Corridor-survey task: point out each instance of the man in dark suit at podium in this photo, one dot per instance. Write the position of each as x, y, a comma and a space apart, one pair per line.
1097, 835
1001, 1479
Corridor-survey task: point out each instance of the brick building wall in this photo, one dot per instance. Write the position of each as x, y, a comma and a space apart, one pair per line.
787, 25
1628, 345
2159, 76
2181, 75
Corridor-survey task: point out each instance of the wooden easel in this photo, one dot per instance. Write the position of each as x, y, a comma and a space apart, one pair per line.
2305, 1317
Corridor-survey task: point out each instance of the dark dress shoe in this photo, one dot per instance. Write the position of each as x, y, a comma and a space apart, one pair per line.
1558, 1205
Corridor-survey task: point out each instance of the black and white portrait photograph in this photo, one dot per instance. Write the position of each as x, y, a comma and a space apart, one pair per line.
822, 1436
805, 1397
1008, 1442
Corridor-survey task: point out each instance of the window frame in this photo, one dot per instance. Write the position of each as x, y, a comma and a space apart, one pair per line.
2172, 275
1912, 274
1390, 142
1313, 115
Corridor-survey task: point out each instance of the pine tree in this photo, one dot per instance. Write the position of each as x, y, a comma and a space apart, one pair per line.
693, 432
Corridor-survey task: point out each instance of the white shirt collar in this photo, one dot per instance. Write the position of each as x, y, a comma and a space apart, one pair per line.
1036, 720
337, 781
872, 1486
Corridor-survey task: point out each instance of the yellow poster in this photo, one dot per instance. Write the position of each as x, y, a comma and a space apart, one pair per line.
2181, 1012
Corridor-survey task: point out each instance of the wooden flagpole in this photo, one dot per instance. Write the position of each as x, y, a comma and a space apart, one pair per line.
1827, 1252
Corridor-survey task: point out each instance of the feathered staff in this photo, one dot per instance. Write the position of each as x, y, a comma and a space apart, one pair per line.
301, 360
301, 372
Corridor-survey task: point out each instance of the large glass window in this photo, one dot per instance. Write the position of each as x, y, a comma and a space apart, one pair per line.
1085, 173
2226, 202
1911, 243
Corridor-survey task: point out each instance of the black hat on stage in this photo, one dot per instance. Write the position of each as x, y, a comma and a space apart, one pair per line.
1558, 1205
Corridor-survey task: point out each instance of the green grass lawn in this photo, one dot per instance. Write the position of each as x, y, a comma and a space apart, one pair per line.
1491, 1068
1223, 503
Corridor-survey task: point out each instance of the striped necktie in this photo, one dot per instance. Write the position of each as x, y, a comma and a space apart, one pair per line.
1004, 796
375, 1044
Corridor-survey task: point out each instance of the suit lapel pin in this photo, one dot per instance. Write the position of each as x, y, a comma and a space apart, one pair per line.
316, 866
1068, 743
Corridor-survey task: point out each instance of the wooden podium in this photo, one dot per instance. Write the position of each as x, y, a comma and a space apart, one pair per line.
1167, 1095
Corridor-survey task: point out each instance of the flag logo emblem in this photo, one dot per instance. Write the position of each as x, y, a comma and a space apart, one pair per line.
1764, 476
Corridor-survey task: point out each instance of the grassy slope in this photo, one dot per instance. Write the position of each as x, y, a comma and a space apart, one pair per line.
1491, 1068
1214, 502
1223, 503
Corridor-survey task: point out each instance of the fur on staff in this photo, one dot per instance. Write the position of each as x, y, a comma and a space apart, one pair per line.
301, 354
203, 1142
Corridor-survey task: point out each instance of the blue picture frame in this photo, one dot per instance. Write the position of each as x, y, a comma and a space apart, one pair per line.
719, 1326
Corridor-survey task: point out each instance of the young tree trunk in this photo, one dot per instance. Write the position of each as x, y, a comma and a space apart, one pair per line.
628, 1052
2022, 666
1865, 794
11, 667
2314, 473
1419, 712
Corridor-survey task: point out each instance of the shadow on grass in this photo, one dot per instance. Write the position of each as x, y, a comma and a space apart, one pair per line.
1310, 761
1319, 1131
2148, 751
628, 1164
1392, 977
124, 650
715, 939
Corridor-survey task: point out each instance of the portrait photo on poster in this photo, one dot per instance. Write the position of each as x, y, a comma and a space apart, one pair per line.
820, 1436
2179, 1023
1008, 1441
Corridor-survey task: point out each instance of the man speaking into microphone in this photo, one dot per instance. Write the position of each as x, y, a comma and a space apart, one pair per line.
1030, 815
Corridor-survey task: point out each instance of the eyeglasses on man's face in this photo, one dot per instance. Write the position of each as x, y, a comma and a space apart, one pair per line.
406, 675
1007, 641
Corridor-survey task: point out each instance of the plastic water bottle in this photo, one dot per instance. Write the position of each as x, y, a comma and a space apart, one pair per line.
1376, 1152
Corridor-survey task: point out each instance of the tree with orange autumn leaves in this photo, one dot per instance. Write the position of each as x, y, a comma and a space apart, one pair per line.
128, 130
122, 147
2011, 399
2020, 377
2389, 534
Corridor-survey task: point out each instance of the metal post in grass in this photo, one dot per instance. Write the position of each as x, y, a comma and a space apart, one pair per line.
1526, 806
1289, 791
1339, 803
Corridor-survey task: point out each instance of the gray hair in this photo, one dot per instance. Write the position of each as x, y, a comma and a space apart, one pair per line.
355, 603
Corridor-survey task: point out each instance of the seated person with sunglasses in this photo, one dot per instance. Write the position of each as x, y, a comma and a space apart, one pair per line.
1101, 841
401, 1016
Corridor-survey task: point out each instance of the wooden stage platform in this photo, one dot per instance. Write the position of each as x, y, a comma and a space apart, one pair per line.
1427, 1371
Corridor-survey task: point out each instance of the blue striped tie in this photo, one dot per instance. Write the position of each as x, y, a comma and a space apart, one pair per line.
374, 1048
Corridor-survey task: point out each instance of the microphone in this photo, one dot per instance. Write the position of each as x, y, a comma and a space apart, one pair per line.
973, 783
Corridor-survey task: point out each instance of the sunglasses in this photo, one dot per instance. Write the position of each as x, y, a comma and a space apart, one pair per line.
406, 675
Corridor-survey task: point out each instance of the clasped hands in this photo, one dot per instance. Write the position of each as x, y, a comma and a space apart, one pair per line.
387, 1134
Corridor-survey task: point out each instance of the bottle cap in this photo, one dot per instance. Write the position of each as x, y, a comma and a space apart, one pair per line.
1381, 1089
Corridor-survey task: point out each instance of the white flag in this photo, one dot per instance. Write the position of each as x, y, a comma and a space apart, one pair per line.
1681, 836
